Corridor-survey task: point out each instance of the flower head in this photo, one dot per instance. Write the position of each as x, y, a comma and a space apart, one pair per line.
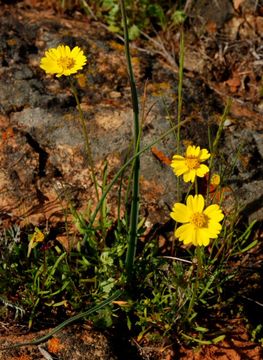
199, 225
63, 61
190, 165
215, 180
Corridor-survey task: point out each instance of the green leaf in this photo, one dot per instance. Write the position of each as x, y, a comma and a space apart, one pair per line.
178, 17
108, 4
104, 318
250, 246
218, 339
201, 329
134, 32
113, 28
156, 11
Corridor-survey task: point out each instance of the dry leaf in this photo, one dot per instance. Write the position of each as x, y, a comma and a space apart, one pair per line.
211, 27
160, 156
233, 83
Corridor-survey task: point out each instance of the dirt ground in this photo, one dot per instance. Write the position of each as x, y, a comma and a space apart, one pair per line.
223, 59
82, 342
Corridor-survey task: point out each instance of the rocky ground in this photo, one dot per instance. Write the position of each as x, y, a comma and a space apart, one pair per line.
42, 155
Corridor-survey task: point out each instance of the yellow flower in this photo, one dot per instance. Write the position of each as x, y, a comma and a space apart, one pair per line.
63, 61
190, 165
215, 180
199, 225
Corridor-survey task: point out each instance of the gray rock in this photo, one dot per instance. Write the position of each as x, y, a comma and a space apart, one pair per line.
18, 90
252, 200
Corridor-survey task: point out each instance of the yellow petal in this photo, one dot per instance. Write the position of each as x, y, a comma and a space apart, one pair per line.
178, 157
214, 229
54, 54
177, 161
59, 51
189, 176
202, 237
68, 51
192, 151
202, 170
180, 170
214, 212
176, 164
62, 50
50, 56
195, 203
196, 151
185, 233
181, 213
76, 52
49, 66
204, 155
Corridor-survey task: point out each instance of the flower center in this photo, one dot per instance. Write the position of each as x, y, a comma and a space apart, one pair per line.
66, 62
199, 220
192, 162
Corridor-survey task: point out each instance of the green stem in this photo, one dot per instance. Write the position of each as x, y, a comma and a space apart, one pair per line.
180, 88
215, 143
86, 136
199, 254
103, 213
180, 101
199, 271
132, 241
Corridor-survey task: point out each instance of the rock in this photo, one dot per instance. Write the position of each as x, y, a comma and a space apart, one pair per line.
204, 11
243, 148
44, 164
59, 148
252, 196
259, 141
27, 91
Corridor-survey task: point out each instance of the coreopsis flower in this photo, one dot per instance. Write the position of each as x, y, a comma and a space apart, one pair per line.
191, 165
215, 180
63, 61
199, 224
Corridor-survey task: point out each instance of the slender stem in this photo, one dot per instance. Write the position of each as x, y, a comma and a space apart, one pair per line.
104, 204
215, 143
132, 241
87, 141
199, 254
180, 101
189, 190
198, 272
180, 88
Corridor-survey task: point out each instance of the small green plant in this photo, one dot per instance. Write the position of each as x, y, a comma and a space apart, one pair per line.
143, 15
